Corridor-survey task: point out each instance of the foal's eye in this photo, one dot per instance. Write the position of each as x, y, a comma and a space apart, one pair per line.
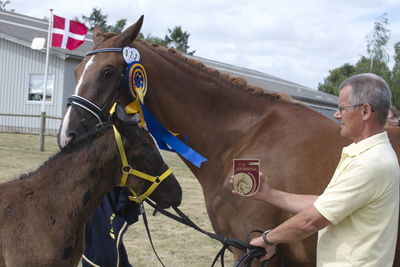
108, 73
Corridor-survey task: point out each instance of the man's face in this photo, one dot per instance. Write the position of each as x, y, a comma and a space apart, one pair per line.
350, 117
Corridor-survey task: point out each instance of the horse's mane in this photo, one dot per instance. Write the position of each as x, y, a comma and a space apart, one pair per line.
238, 82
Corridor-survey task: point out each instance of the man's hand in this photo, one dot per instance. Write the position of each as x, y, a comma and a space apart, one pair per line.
262, 192
270, 250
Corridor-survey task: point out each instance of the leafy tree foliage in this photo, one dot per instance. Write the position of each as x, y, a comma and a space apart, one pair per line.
118, 27
377, 40
376, 62
176, 38
99, 19
153, 39
395, 77
380, 68
3, 5
335, 78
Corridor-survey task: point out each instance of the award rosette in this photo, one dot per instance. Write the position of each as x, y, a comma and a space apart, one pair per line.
246, 178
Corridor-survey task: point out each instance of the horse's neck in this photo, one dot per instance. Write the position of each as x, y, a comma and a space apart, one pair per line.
202, 106
77, 181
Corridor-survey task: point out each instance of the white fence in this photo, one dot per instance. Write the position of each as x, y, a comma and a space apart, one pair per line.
29, 123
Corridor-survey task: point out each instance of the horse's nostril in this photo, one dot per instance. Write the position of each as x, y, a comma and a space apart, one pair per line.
177, 203
71, 136
178, 200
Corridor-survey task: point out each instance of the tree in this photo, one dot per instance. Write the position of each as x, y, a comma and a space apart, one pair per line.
153, 39
99, 19
178, 39
118, 27
335, 78
380, 68
175, 38
376, 62
95, 18
377, 40
395, 77
3, 5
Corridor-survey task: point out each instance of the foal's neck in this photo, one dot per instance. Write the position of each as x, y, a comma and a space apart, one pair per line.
75, 182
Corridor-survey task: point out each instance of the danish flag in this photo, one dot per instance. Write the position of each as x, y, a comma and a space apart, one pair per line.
67, 33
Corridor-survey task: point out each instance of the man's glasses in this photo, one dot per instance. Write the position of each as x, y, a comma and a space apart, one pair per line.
340, 108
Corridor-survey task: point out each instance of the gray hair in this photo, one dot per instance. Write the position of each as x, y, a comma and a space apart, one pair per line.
372, 89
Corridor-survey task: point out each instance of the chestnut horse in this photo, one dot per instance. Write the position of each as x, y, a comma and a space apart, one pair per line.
43, 215
223, 118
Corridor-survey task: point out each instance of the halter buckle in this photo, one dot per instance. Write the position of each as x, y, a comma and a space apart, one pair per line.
126, 169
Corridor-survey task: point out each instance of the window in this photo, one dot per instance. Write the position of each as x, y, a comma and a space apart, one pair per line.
36, 83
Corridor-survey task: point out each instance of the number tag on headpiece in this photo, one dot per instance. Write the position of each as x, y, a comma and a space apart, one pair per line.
130, 54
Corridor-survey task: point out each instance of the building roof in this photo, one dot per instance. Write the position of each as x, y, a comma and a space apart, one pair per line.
22, 29
273, 83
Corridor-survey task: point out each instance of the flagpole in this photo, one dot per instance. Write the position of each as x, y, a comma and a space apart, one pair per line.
43, 114
49, 35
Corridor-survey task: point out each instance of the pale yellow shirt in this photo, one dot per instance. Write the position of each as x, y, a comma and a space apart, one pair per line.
362, 203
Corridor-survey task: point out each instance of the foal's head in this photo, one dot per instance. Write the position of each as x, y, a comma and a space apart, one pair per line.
144, 156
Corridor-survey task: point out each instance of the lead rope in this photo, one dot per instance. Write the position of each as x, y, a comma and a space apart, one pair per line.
251, 252
146, 224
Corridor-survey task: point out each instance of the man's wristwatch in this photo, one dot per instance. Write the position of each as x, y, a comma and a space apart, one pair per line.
264, 236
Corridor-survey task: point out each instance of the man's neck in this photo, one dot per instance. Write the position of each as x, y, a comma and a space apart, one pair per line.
368, 132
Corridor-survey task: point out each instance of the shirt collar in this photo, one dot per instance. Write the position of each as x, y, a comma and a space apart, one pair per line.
357, 148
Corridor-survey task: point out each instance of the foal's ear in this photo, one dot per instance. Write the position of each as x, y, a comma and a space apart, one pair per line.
97, 35
125, 117
130, 34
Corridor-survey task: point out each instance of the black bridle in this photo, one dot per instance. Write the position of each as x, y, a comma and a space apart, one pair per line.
101, 113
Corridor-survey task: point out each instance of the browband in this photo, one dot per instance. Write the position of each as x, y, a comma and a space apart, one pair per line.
91, 52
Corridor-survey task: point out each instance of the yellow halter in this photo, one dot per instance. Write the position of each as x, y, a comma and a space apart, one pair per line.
127, 169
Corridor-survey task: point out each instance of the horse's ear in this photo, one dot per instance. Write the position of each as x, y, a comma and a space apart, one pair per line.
97, 35
131, 33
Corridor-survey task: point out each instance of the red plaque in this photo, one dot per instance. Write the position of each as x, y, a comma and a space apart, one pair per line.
246, 178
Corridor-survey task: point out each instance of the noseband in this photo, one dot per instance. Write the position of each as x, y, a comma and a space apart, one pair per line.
127, 169
99, 113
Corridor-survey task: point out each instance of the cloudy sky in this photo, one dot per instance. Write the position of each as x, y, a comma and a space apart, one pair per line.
295, 40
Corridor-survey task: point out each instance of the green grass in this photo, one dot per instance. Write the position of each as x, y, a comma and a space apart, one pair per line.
176, 244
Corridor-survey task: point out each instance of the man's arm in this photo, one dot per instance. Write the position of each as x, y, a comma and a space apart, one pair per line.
299, 227
293, 203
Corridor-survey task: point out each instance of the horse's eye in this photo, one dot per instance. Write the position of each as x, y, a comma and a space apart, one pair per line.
108, 73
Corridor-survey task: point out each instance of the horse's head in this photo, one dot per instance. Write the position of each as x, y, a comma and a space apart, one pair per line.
99, 79
145, 162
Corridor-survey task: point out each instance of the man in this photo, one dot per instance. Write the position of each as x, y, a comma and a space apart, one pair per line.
357, 214
393, 118
105, 229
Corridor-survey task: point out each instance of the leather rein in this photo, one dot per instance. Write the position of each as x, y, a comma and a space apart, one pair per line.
251, 252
